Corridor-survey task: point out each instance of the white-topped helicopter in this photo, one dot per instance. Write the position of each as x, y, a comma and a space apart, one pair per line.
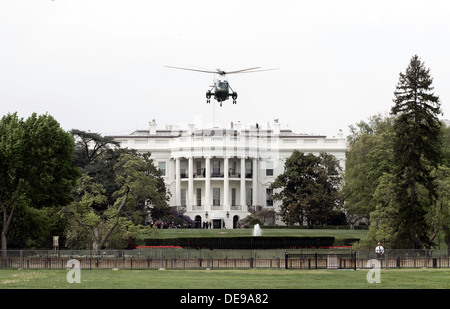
221, 90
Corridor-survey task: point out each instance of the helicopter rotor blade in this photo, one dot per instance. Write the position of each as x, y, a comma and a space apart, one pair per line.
204, 71
255, 71
223, 73
241, 71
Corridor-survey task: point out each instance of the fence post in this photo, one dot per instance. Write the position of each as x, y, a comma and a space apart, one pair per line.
315, 258
49, 262
21, 259
285, 260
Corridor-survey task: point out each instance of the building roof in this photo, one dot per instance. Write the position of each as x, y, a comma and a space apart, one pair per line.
173, 131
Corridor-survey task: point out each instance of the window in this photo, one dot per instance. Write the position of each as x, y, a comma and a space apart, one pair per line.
269, 168
183, 197
233, 167
233, 196
183, 173
199, 168
248, 169
199, 197
249, 196
216, 168
269, 198
162, 168
216, 196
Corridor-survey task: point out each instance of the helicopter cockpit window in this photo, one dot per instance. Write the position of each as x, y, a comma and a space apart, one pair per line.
222, 84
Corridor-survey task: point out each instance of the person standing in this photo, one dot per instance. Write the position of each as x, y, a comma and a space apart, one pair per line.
379, 250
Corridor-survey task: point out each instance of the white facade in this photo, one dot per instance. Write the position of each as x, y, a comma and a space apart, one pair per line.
218, 174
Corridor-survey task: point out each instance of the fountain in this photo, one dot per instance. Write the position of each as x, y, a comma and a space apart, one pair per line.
257, 230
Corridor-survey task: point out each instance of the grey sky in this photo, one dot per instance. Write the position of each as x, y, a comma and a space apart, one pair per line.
98, 65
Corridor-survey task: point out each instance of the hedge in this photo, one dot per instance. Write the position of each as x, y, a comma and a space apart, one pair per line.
245, 242
315, 227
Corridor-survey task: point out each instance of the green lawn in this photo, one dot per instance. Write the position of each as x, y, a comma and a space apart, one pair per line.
226, 279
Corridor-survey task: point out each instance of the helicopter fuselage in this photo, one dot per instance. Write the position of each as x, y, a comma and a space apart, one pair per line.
221, 90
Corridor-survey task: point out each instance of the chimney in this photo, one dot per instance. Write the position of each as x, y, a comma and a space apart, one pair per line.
152, 127
237, 126
191, 128
276, 127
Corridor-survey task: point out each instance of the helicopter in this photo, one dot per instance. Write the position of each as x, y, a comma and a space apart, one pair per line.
221, 90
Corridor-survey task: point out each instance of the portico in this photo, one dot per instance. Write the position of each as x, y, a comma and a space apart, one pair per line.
218, 185
207, 173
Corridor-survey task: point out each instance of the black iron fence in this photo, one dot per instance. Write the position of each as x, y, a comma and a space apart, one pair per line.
156, 258
406, 258
316, 260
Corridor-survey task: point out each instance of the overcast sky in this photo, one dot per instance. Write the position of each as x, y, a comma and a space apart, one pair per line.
98, 65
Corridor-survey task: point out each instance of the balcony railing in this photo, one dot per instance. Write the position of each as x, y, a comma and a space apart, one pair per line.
216, 175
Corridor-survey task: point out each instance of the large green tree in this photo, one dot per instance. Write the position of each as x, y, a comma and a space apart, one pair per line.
96, 155
368, 158
308, 188
35, 166
417, 150
139, 184
439, 214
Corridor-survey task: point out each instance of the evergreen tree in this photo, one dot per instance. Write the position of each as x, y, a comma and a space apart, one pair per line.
417, 149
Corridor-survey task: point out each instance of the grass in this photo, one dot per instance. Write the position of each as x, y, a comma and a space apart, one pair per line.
226, 279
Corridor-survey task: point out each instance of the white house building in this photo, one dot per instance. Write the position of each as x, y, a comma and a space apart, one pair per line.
218, 174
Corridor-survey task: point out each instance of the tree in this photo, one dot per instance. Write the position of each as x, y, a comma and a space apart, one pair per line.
262, 216
309, 188
368, 159
35, 166
446, 145
139, 185
439, 214
417, 149
90, 146
96, 156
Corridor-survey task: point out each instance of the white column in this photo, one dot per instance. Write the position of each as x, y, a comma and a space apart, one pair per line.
190, 184
243, 201
255, 182
177, 183
226, 186
207, 184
